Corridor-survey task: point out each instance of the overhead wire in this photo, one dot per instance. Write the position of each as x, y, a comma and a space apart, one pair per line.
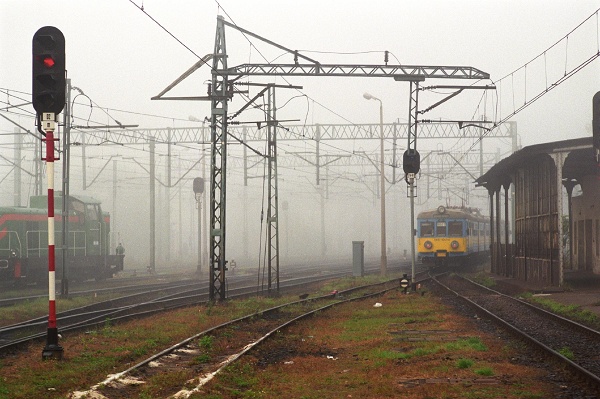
306, 96
283, 77
259, 52
500, 119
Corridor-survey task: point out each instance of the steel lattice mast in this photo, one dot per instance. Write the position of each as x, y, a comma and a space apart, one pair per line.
219, 94
221, 91
273, 208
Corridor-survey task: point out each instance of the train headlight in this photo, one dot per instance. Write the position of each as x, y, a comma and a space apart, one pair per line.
428, 245
454, 244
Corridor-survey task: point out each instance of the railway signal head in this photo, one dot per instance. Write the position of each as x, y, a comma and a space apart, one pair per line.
48, 72
198, 185
404, 283
411, 161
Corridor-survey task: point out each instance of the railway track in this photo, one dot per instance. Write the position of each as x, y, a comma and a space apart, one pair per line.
571, 345
252, 329
140, 305
123, 289
140, 284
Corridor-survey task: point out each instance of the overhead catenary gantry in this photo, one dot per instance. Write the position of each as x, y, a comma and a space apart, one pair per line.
317, 132
221, 91
453, 166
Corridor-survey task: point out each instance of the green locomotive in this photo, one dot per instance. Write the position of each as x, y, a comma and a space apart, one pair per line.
24, 241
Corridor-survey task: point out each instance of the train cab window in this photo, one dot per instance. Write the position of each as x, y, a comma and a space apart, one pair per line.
455, 229
91, 213
440, 229
426, 229
79, 208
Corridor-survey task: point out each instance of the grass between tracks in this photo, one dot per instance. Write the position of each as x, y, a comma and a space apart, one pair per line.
411, 347
572, 312
39, 307
354, 350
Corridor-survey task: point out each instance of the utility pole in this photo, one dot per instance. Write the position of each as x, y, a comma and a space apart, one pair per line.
383, 265
152, 266
113, 218
180, 219
38, 168
168, 202
204, 219
245, 192
83, 161
17, 179
64, 282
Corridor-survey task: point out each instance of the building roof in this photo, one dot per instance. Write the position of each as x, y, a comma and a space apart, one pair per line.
580, 161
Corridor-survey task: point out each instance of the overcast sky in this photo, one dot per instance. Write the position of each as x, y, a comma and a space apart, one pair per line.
120, 57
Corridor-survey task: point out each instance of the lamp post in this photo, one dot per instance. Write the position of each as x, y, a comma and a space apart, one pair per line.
383, 267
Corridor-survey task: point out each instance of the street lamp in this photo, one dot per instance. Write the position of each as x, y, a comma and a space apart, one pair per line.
383, 267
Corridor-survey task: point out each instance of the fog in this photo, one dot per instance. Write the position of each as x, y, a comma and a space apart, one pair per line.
118, 58
316, 222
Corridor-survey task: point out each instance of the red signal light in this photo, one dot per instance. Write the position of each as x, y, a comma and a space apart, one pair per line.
48, 62
48, 81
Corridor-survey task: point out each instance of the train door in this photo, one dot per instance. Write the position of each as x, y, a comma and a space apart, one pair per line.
10, 255
77, 242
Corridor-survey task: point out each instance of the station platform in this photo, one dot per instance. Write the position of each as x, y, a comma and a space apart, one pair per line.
580, 288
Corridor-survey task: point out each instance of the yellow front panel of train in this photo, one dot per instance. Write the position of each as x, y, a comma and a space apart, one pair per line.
444, 244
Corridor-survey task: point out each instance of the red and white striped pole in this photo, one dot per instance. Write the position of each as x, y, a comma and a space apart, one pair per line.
52, 350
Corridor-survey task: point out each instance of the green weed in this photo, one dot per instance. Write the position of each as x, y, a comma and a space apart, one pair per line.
486, 371
471, 342
567, 352
571, 311
206, 342
484, 280
464, 363
203, 358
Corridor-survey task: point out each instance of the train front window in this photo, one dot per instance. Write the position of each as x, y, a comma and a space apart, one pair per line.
455, 229
426, 229
440, 229
91, 212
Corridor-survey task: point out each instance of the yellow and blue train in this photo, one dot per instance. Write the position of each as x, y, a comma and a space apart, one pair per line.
452, 236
